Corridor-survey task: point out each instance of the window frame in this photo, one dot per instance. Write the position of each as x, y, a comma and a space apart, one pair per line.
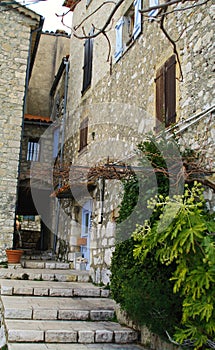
33, 150
132, 18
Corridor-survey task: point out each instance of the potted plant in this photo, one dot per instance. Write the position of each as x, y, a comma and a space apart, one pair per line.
14, 254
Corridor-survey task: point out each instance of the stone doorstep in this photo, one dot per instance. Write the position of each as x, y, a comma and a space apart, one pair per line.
61, 346
40, 308
40, 264
45, 275
68, 332
52, 289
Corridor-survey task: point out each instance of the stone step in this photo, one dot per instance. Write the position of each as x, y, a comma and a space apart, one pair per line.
61, 346
44, 274
40, 308
43, 264
52, 289
82, 332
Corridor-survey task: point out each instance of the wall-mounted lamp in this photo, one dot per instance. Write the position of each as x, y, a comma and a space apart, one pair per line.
93, 135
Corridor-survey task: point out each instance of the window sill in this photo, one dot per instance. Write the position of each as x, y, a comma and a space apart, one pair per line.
83, 150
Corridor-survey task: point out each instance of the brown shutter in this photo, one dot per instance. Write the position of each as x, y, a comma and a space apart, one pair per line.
83, 134
170, 91
160, 100
87, 68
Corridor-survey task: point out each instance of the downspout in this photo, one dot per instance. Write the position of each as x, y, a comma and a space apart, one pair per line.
66, 62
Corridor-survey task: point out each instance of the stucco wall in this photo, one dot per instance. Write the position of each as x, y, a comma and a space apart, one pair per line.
52, 48
14, 50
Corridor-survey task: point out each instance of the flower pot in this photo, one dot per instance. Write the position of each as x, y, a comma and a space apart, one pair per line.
14, 255
81, 241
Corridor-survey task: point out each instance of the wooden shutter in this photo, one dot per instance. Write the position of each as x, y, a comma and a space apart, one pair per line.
119, 43
160, 98
153, 13
88, 60
83, 134
137, 18
170, 91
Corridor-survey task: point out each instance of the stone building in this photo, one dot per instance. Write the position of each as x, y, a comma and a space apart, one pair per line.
143, 73
19, 36
38, 137
29, 62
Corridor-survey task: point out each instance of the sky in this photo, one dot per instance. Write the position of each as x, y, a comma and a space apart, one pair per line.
48, 9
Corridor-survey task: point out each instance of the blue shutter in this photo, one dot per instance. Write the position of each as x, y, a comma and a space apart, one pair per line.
56, 142
119, 43
153, 13
137, 18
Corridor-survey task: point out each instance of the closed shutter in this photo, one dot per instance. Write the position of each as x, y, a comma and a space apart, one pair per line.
88, 60
137, 18
153, 13
170, 91
160, 100
119, 43
83, 134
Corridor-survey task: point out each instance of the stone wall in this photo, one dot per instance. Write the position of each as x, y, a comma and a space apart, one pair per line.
120, 104
15, 32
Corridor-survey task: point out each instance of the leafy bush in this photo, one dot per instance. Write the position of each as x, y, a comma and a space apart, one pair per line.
163, 275
144, 291
186, 243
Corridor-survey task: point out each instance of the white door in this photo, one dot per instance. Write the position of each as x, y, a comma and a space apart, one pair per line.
85, 231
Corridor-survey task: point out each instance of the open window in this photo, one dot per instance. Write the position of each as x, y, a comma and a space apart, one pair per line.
33, 150
128, 28
166, 94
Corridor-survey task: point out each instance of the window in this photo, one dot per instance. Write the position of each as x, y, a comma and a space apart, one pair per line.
154, 12
56, 135
128, 28
83, 134
33, 150
166, 93
88, 60
88, 2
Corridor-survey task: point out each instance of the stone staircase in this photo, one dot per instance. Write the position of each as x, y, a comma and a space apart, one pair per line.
48, 306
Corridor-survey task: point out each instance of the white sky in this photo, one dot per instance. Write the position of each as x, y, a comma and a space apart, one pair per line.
48, 9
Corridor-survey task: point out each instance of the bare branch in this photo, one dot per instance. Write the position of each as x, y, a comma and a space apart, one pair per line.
103, 29
92, 13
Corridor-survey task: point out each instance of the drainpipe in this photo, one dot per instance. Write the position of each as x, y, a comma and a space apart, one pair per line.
66, 62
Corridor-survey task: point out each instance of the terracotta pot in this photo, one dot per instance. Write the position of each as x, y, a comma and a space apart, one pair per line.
14, 255
81, 241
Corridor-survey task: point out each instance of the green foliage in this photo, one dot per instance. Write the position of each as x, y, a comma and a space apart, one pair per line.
144, 291
150, 179
185, 241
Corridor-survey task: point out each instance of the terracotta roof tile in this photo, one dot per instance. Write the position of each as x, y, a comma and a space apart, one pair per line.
38, 118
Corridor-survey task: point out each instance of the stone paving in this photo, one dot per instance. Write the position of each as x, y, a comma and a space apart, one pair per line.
61, 310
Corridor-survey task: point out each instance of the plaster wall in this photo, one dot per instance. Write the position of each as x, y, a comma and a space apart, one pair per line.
52, 48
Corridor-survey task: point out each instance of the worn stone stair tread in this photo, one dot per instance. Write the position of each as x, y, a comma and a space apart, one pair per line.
40, 308
61, 346
45, 274
51, 288
68, 332
44, 264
